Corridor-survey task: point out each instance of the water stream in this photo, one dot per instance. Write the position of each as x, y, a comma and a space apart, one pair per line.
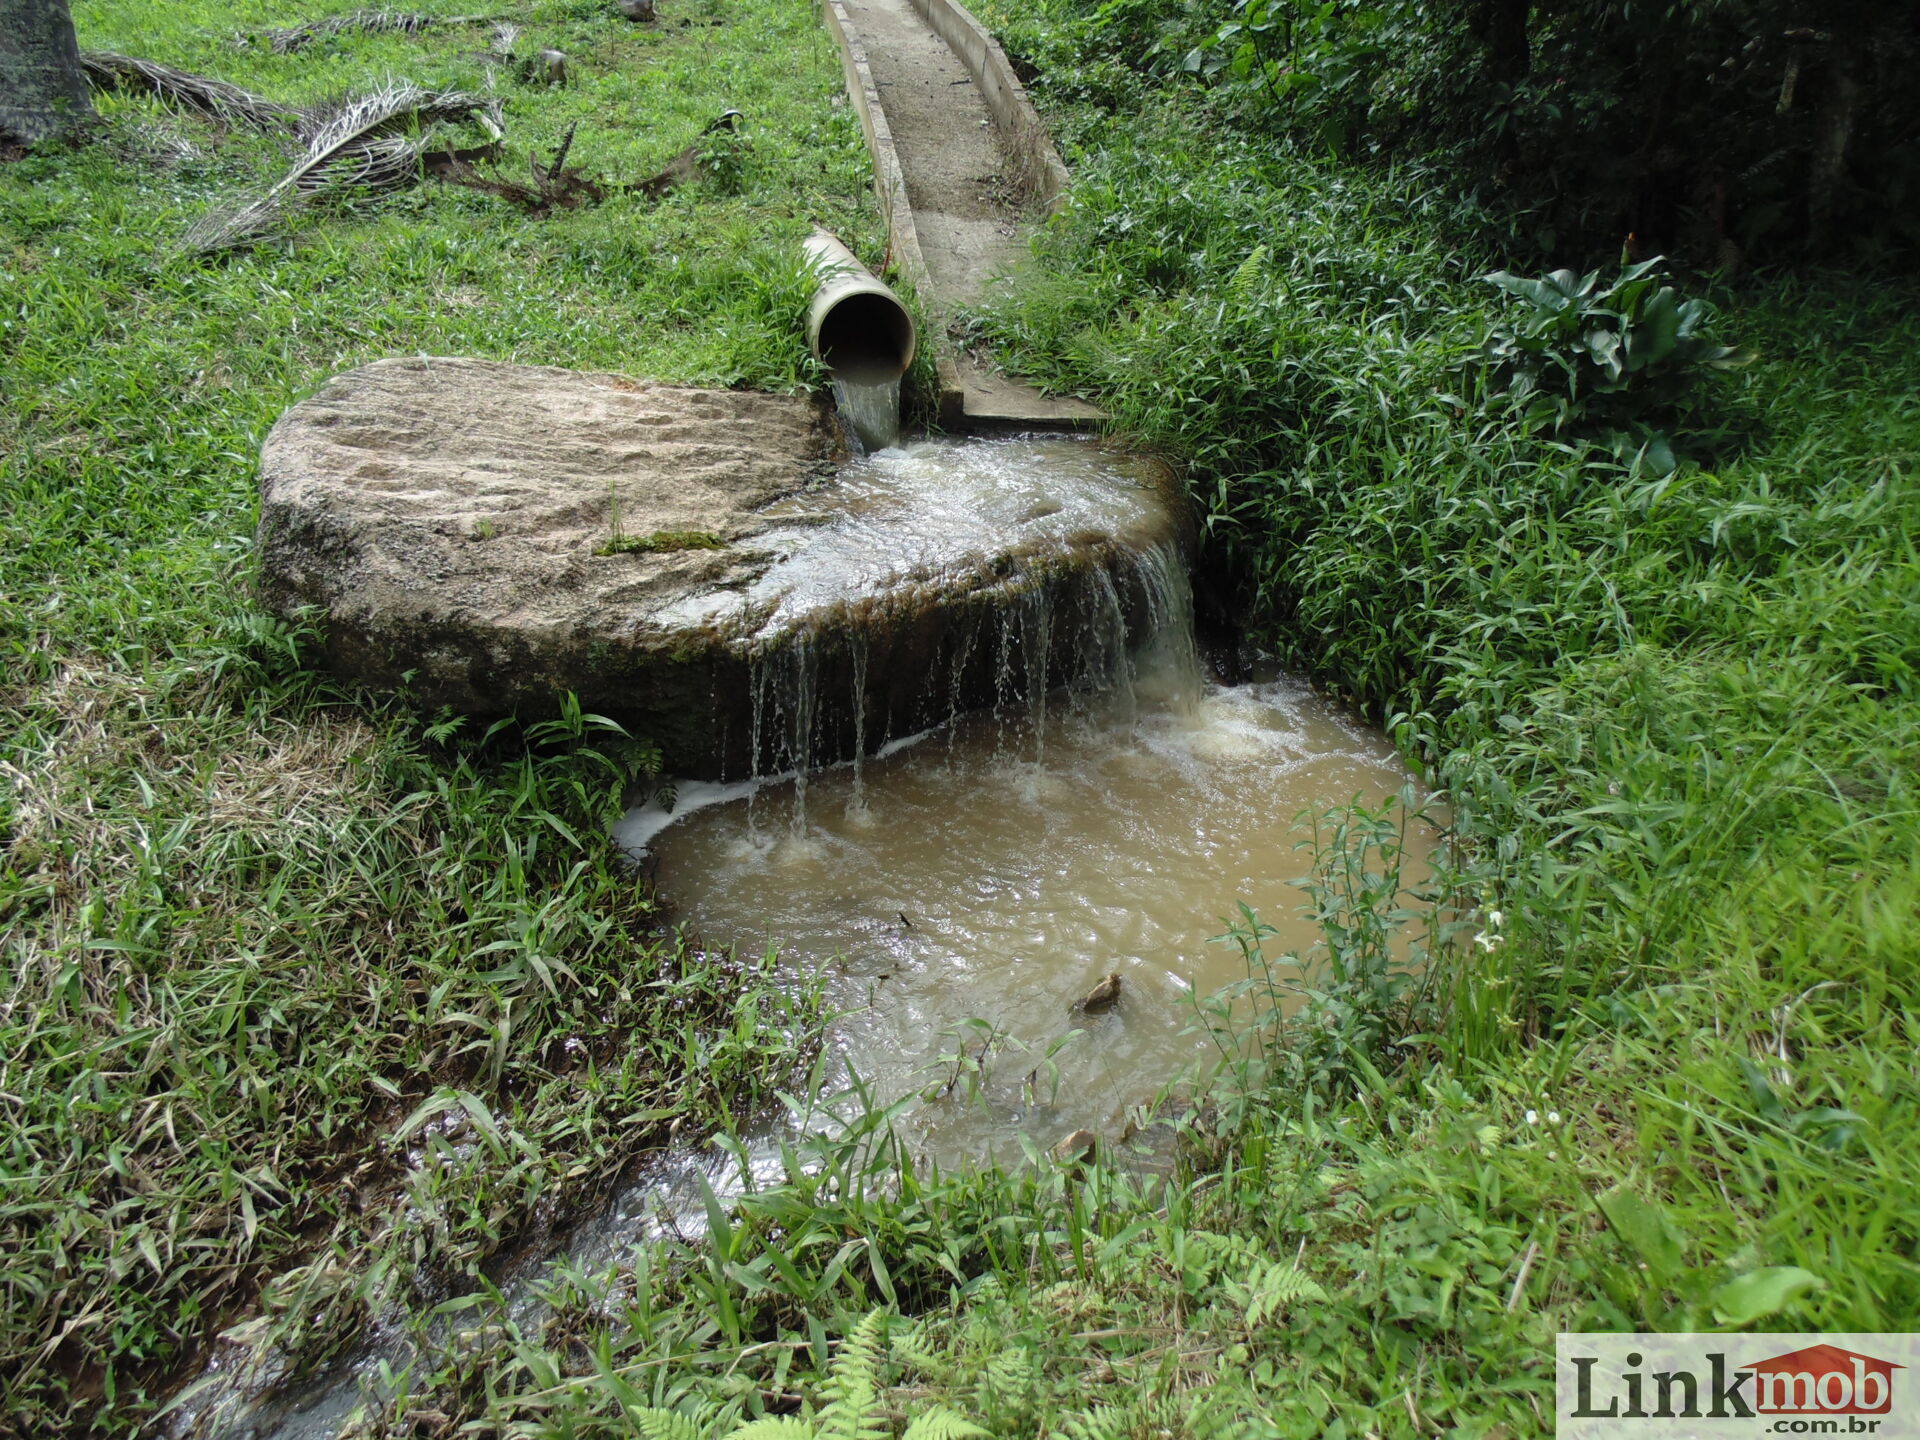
975, 868
996, 870
871, 409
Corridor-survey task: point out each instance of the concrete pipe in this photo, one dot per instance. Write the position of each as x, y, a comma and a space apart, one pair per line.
856, 325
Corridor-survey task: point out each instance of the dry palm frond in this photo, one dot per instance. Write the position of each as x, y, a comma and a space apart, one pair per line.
408, 106
370, 141
364, 22
186, 91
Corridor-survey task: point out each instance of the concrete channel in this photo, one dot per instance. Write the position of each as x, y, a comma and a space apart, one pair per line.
963, 167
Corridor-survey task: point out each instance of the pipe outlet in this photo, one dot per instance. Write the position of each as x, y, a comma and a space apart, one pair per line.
856, 325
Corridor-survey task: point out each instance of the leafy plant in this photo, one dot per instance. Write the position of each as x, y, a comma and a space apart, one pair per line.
725, 157
1341, 1004
855, 1406
1577, 351
1306, 60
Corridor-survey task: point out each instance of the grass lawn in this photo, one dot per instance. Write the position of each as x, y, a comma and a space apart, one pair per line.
312, 1006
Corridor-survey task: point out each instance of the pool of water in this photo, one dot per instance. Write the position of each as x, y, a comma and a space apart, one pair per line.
967, 889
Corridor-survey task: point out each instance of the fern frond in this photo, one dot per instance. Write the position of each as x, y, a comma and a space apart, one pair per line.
1247, 277
653, 1423
1277, 1289
1102, 1422
772, 1427
852, 1388
907, 1348
1008, 1383
184, 90
1071, 1300
940, 1423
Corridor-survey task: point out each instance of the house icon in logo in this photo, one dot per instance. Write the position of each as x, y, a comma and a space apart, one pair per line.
1823, 1380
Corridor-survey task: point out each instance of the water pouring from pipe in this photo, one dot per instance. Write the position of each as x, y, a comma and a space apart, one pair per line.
859, 329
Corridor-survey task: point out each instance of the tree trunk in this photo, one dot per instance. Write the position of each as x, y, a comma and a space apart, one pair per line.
43, 92
1828, 163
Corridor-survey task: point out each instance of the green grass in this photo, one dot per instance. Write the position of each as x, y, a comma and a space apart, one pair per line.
315, 1005
312, 1007
662, 542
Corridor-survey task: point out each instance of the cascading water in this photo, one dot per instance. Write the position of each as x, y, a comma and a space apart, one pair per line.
1107, 815
1097, 807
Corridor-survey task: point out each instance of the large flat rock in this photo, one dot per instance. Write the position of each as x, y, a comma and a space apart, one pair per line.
490, 537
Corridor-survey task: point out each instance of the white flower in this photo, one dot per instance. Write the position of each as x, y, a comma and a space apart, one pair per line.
1496, 919
1489, 942
1533, 1117
1553, 1117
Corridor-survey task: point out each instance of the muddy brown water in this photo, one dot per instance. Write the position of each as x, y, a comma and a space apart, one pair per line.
966, 890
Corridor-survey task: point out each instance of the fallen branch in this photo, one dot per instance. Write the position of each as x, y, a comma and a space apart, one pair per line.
689, 165
184, 90
365, 22
555, 187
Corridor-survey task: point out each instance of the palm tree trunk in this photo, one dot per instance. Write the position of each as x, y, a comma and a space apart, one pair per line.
43, 92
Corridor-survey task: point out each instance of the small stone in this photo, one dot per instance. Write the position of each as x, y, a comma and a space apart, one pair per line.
1103, 996
1077, 1149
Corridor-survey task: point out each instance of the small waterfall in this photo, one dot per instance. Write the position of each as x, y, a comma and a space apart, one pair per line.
785, 684
805, 673
957, 675
757, 684
1052, 612
857, 806
1106, 664
1036, 640
871, 409
1168, 597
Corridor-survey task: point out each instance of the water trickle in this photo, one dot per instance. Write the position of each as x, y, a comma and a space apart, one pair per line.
857, 805
1036, 638
801, 658
871, 409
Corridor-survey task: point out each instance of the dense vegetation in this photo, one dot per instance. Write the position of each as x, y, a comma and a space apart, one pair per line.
1646, 610
1726, 130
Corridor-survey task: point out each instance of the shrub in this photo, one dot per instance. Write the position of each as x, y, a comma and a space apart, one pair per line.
1575, 355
